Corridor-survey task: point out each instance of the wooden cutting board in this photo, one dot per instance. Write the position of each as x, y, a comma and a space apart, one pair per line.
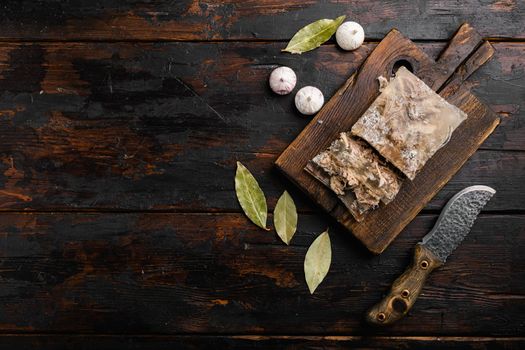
465, 53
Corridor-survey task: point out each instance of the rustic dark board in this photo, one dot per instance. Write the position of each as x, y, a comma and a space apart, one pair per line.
194, 342
218, 273
114, 131
249, 19
64, 143
382, 225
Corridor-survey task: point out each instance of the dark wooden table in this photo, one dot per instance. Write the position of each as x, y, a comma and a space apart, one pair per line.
121, 122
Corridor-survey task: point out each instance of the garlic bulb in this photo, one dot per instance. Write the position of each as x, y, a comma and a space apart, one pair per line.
309, 100
350, 35
282, 80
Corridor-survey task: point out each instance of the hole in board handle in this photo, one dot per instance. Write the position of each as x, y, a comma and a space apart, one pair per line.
402, 63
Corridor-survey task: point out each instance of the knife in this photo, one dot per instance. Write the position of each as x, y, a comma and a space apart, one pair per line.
452, 226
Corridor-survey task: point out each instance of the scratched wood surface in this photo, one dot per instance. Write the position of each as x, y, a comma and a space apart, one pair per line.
249, 19
120, 126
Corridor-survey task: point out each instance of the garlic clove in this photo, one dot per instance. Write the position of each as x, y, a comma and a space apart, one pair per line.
282, 80
309, 100
350, 35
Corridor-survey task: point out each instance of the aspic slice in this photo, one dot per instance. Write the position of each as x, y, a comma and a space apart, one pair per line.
354, 172
408, 122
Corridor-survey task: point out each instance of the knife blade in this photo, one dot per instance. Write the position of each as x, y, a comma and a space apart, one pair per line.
452, 226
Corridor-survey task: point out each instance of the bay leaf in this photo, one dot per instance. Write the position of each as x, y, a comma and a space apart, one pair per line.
317, 261
285, 217
250, 196
313, 35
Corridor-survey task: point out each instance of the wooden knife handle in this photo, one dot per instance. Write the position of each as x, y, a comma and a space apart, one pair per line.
405, 289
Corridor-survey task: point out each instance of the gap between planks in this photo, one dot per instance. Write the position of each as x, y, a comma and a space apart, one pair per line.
263, 336
214, 41
423, 212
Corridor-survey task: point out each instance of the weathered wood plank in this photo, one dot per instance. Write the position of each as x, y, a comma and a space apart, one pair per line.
218, 273
284, 342
248, 20
231, 77
502, 89
86, 125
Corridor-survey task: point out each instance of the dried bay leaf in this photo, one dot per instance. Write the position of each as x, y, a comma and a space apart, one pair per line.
285, 217
250, 196
317, 261
313, 35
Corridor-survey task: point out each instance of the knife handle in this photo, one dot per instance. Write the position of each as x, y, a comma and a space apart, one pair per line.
405, 289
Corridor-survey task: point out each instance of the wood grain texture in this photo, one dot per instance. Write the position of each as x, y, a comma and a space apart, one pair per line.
405, 289
482, 55
218, 273
460, 46
114, 127
249, 19
380, 226
191, 342
103, 108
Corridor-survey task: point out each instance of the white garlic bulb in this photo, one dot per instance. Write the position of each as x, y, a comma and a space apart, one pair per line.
309, 100
282, 80
350, 35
